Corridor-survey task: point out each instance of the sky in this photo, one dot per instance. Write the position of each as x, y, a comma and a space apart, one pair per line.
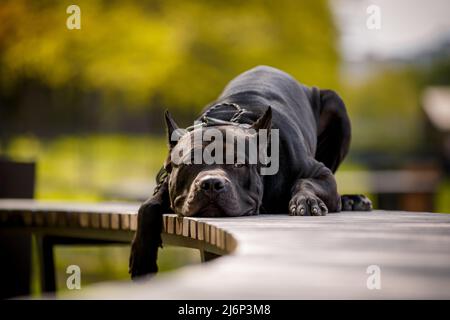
407, 27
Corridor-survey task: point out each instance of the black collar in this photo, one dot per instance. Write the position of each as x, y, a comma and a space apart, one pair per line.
239, 117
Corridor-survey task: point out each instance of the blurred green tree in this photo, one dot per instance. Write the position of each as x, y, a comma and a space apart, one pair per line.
143, 54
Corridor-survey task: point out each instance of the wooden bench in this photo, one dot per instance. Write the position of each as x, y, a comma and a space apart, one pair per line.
54, 223
267, 256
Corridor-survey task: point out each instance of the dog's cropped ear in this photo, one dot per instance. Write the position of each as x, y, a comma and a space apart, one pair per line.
171, 128
265, 121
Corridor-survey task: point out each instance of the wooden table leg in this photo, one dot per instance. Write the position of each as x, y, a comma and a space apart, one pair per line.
15, 264
208, 256
46, 263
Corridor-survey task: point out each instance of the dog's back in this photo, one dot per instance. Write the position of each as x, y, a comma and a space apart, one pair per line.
293, 115
291, 104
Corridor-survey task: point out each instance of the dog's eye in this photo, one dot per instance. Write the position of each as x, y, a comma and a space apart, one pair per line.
238, 165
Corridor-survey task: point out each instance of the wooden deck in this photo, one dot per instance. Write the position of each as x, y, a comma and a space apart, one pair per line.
269, 256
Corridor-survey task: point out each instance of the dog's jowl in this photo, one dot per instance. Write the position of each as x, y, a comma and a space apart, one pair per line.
268, 144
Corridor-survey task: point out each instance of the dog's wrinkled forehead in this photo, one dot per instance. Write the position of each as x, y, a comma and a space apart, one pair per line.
211, 140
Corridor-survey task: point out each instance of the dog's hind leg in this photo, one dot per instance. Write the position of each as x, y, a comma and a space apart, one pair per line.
355, 202
333, 140
334, 129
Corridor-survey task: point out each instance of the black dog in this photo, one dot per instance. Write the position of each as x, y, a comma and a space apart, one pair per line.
314, 137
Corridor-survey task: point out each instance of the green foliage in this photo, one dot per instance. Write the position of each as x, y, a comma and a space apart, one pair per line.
100, 263
385, 110
178, 53
437, 73
443, 197
93, 167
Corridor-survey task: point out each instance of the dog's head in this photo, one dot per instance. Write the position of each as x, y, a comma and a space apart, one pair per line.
210, 173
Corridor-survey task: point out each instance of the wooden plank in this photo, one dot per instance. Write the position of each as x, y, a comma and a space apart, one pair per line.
201, 230
95, 220
230, 242
165, 223
104, 221
27, 218
220, 234
19, 205
171, 225
193, 229
218, 238
115, 221
38, 219
83, 219
51, 219
61, 219
133, 222
125, 222
179, 225
73, 218
213, 234
186, 224
207, 228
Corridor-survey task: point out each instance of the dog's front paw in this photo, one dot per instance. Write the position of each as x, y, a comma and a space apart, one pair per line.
147, 240
356, 202
307, 204
141, 263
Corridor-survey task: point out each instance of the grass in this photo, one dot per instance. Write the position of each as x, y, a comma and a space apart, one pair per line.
443, 197
90, 168
109, 262
104, 263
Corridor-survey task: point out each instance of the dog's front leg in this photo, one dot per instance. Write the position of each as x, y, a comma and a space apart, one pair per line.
315, 192
147, 239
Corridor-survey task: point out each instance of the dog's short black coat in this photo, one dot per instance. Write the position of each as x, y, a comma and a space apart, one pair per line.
314, 132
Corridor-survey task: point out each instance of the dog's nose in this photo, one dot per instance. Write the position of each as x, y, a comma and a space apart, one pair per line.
213, 184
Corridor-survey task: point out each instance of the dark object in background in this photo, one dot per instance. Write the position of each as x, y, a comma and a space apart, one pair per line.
412, 188
406, 182
17, 180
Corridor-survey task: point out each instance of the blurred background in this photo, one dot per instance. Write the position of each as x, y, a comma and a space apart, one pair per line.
81, 110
